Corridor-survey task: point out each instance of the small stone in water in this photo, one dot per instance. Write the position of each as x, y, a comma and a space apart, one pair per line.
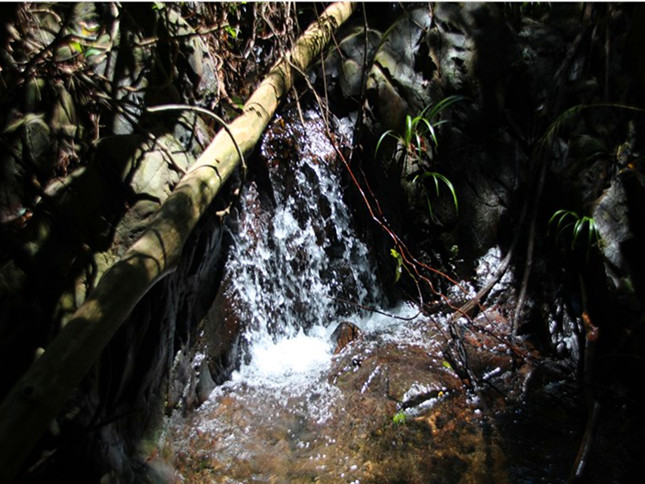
344, 334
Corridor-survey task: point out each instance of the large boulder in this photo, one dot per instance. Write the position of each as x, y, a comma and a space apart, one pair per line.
618, 218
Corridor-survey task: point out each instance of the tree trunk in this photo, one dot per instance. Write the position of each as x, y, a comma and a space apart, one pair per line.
41, 393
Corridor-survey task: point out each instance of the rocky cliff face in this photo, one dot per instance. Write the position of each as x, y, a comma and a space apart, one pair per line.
547, 120
544, 153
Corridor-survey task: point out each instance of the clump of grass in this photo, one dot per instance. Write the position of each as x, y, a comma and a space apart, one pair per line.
582, 229
419, 130
418, 139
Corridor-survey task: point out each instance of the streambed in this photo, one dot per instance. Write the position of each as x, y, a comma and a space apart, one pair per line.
388, 407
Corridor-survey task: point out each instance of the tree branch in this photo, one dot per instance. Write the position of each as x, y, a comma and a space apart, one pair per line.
44, 389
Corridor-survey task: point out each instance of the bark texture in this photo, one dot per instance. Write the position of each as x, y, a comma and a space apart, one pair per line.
42, 392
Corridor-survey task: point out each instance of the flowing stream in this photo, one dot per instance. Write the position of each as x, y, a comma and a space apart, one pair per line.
386, 408
295, 261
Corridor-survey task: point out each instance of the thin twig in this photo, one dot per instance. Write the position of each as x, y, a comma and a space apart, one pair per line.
529, 250
585, 445
206, 112
377, 311
153, 40
157, 144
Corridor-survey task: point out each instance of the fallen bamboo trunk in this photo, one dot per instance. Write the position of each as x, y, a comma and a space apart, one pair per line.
41, 393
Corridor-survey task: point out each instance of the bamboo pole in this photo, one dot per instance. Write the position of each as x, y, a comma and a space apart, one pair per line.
44, 389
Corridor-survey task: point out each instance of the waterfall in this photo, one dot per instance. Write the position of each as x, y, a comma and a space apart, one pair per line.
295, 254
294, 411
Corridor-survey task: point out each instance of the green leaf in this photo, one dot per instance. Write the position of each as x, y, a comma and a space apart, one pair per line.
431, 130
564, 219
389, 132
399, 418
399, 264
561, 216
407, 136
443, 104
76, 46
437, 177
91, 52
231, 31
237, 101
419, 145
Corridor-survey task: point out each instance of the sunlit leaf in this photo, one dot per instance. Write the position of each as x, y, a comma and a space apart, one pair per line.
436, 178
399, 418
76, 46
568, 219
399, 264
389, 132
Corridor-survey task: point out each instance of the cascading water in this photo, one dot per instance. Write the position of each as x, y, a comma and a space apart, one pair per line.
294, 256
293, 411
294, 264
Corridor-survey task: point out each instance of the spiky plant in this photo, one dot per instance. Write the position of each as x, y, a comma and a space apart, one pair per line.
418, 138
582, 229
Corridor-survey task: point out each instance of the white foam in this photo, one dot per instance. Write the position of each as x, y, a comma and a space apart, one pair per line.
287, 360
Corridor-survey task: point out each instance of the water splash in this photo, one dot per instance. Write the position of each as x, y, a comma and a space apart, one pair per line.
296, 254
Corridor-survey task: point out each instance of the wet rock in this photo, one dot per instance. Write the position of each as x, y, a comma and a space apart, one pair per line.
160, 472
389, 370
617, 215
180, 379
487, 354
222, 332
205, 383
190, 384
446, 436
345, 66
344, 334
